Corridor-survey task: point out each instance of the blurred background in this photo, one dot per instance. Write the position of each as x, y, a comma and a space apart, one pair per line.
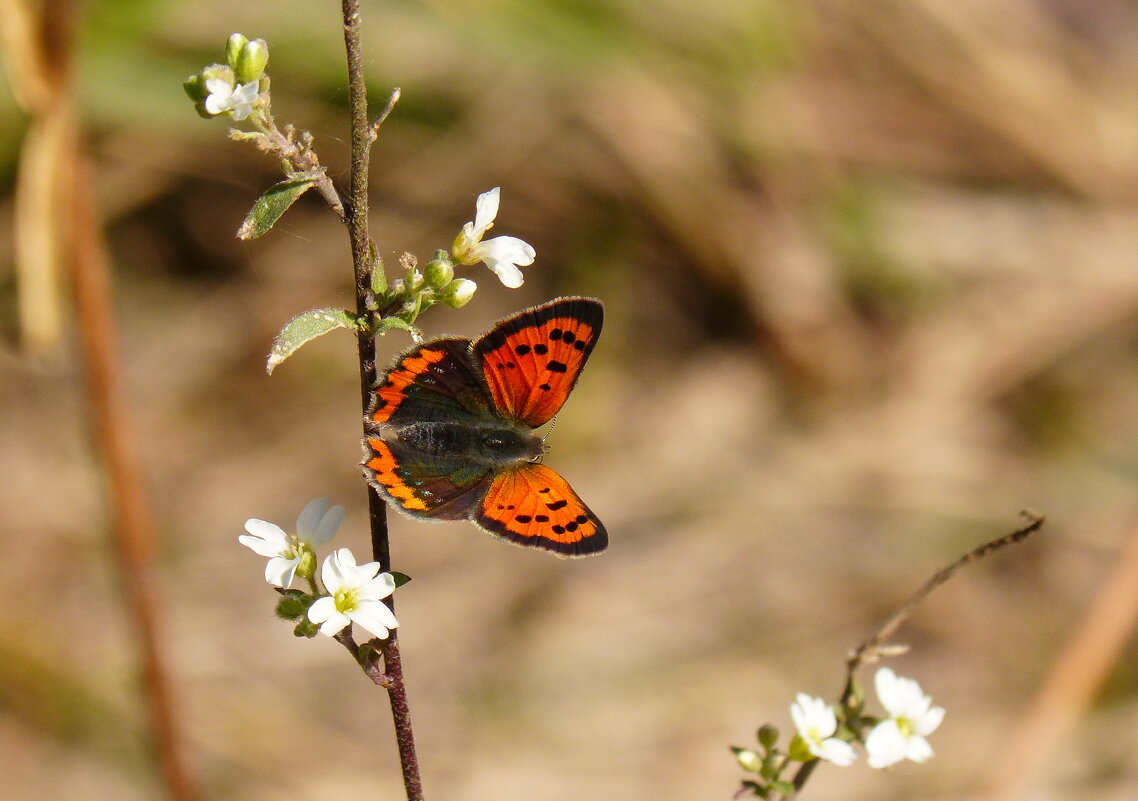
871, 286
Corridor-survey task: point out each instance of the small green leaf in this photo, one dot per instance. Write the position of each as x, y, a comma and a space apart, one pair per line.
378, 275
271, 205
754, 787
400, 578
305, 327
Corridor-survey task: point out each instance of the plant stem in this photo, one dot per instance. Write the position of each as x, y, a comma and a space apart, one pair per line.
362, 136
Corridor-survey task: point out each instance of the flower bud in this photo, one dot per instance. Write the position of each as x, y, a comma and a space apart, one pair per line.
233, 47
438, 272
458, 292
195, 88
749, 760
251, 61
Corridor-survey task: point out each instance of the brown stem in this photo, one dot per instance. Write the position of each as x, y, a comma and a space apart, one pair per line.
362, 137
869, 649
301, 156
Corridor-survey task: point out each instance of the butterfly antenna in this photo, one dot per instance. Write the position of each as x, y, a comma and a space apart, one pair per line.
552, 424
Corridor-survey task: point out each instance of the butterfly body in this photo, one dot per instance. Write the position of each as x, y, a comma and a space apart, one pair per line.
451, 428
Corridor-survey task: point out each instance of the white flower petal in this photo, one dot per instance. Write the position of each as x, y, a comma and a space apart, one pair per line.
901, 697
929, 721
332, 572
377, 588
216, 104
510, 276
485, 210
885, 745
375, 617
246, 93
918, 749
813, 718
309, 518
280, 571
837, 751
328, 526
323, 612
318, 522
507, 248
264, 538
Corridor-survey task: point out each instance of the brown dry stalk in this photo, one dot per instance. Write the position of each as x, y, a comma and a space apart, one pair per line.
71, 245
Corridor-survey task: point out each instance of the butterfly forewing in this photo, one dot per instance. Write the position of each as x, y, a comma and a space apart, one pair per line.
531, 504
532, 360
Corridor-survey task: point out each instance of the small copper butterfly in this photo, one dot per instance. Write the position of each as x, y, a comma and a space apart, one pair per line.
450, 428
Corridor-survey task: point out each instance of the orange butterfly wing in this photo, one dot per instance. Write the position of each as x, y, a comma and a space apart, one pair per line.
531, 504
532, 360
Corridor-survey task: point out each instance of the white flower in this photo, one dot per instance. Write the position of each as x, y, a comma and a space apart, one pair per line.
502, 254
816, 724
356, 593
316, 525
225, 97
911, 718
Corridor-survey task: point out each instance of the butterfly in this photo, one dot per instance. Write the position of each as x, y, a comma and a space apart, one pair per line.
450, 428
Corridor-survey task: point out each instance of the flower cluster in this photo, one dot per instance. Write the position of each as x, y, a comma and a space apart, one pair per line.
233, 89
828, 733
346, 592
504, 255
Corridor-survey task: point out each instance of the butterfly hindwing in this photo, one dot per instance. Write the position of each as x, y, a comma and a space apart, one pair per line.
431, 382
532, 360
531, 504
443, 489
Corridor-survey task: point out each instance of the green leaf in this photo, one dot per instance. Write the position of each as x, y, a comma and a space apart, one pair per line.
271, 205
400, 578
305, 327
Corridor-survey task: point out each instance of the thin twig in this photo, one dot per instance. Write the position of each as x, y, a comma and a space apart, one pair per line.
396, 93
363, 134
868, 650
